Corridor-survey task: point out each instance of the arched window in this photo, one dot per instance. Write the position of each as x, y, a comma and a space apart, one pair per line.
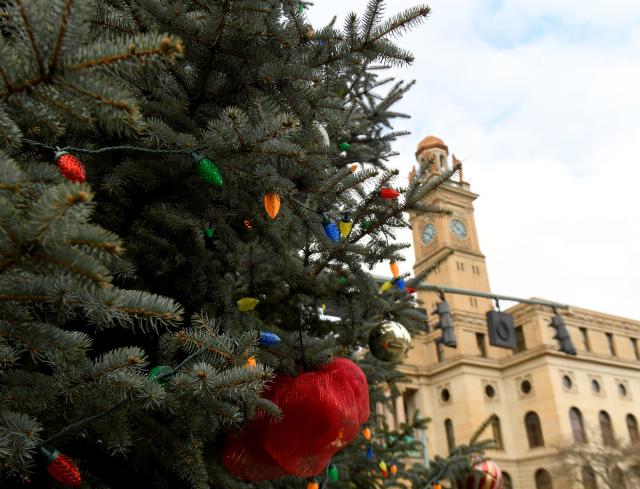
606, 428
507, 483
577, 426
543, 479
497, 432
632, 426
451, 439
618, 479
589, 478
534, 430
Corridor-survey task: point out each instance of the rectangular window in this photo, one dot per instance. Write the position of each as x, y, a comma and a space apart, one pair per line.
440, 351
611, 344
482, 348
520, 343
409, 403
497, 433
394, 412
634, 346
473, 301
460, 266
585, 339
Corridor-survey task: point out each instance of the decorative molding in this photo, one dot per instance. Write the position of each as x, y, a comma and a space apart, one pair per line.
572, 376
521, 393
624, 382
440, 389
598, 379
494, 385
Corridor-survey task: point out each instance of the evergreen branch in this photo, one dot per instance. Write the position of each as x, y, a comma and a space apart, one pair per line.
140, 312
202, 5
62, 107
372, 15
221, 24
24, 298
6, 81
82, 422
401, 22
116, 104
110, 247
113, 409
481, 428
104, 23
167, 45
185, 339
102, 281
29, 31
61, 32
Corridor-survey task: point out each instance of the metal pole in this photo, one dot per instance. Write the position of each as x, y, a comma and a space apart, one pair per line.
451, 290
425, 442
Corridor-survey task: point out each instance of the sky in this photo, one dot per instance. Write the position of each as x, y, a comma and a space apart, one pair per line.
541, 101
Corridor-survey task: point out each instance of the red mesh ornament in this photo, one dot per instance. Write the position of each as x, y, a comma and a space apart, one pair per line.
322, 413
63, 469
389, 193
71, 167
244, 454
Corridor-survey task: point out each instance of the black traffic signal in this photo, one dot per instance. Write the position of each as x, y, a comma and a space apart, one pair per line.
502, 332
445, 323
562, 335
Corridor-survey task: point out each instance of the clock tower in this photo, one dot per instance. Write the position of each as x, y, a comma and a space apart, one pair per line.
435, 236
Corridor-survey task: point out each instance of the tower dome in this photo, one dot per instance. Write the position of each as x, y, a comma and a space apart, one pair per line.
431, 142
433, 152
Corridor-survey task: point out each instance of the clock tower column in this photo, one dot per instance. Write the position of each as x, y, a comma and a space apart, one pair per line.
435, 235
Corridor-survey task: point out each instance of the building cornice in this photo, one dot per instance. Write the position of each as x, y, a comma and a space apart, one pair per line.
581, 314
435, 256
541, 352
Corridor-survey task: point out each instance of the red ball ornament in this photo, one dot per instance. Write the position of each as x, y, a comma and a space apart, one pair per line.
486, 475
411, 290
321, 413
71, 167
62, 468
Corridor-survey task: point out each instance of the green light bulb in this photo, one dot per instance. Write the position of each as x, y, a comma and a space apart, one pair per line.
160, 374
209, 172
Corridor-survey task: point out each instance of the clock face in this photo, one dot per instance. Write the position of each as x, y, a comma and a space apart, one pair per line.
428, 233
458, 228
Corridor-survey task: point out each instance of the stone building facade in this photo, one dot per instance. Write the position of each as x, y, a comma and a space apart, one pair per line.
542, 397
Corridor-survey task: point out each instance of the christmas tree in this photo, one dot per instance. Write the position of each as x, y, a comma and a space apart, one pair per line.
221, 182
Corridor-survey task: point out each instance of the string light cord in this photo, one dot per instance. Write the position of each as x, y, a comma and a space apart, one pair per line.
437, 477
106, 149
324, 213
119, 405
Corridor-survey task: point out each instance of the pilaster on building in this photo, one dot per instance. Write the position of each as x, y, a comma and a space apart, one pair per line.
541, 397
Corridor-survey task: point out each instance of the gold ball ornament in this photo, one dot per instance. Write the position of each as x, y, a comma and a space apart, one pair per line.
389, 341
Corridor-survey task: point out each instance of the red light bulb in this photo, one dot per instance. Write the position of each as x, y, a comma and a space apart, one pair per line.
71, 167
389, 193
62, 468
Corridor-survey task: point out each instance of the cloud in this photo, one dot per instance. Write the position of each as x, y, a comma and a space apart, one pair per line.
542, 101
